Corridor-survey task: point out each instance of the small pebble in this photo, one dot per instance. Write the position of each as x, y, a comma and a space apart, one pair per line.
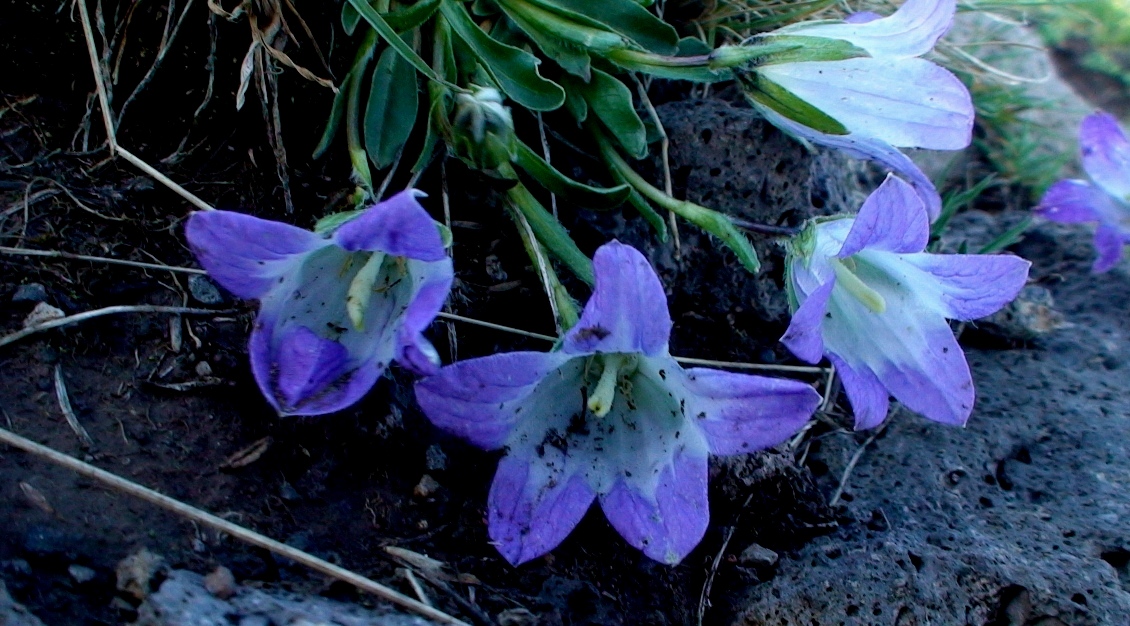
81, 574
204, 291
203, 369
517, 617
31, 292
434, 458
41, 314
426, 487
220, 583
757, 555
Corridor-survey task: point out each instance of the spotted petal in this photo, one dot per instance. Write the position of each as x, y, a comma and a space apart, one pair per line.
532, 508
431, 284
870, 400
247, 255
910, 31
628, 308
1077, 201
1106, 154
669, 521
970, 286
805, 335
891, 219
481, 399
398, 226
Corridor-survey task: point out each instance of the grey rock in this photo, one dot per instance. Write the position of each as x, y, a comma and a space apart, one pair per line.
13, 613
757, 555
435, 459
204, 290
81, 574
183, 600
31, 292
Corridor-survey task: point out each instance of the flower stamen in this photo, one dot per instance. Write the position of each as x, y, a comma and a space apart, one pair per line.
870, 298
361, 288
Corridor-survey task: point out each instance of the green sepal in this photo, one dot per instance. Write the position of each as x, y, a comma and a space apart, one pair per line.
778, 49
349, 18
769, 94
333, 221
569, 189
689, 67
337, 110
390, 113
514, 70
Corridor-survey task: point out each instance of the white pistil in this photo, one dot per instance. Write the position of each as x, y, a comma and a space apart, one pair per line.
856, 287
361, 290
600, 400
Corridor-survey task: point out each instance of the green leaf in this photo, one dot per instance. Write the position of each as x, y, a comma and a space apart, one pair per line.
769, 94
954, 202
570, 56
576, 105
567, 26
337, 110
560, 184
551, 233
1007, 238
625, 17
409, 17
611, 101
514, 70
390, 113
349, 18
389, 35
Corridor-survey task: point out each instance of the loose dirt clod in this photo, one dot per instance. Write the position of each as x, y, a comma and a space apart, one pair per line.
137, 573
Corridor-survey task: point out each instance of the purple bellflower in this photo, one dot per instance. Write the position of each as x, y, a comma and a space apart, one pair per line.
1105, 198
609, 414
334, 312
887, 100
865, 295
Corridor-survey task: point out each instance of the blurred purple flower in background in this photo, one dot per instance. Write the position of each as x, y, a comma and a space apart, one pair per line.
610, 414
1104, 199
888, 100
866, 296
334, 312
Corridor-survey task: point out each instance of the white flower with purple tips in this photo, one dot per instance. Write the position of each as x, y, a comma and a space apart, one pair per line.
868, 297
334, 312
1104, 199
886, 100
609, 415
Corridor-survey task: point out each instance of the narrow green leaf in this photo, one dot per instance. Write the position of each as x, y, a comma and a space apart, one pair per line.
1007, 238
625, 17
571, 57
551, 233
954, 202
390, 113
769, 94
514, 70
337, 110
611, 101
411, 16
349, 18
693, 67
569, 189
389, 35
564, 25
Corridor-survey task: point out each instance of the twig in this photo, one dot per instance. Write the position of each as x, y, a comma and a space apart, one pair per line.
704, 597
851, 465
167, 38
69, 411
545, 155
506, 329
98, 259
664, 147
161, 178
110, 310
416, 587
223, 525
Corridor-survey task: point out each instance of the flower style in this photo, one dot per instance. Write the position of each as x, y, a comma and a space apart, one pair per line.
886, 100
1106, 198
866, 296
610, 414
333, 311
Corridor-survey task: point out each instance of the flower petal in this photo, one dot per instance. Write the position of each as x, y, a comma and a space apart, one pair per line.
805, 335
909, 103
306, 364
1076, 201
1106, 154
628, 308
862, 147
481, 399
398, 226
668, 523
911, 350
862, 17
530, 510
910, 31
973, 285
431, 285
247, 255
891, 219
739, 413
1109, 240
870, 400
